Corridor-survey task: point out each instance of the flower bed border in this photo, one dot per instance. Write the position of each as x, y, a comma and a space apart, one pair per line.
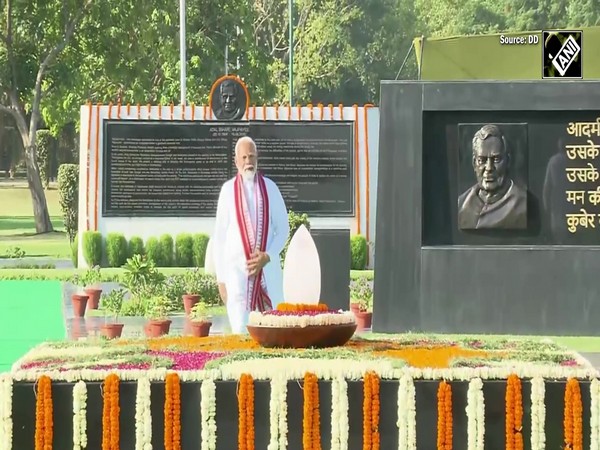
395, 419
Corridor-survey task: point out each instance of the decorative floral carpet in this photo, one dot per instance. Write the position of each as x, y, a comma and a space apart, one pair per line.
226, 357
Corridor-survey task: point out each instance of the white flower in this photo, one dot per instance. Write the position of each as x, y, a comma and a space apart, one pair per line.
278, 414
6, 424
208, 410
79, 415
538, 414
339, 414
595, 414
475, 415
407, 418
143, 416
270, 320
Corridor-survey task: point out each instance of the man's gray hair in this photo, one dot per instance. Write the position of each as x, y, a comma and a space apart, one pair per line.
488, 131
245, 140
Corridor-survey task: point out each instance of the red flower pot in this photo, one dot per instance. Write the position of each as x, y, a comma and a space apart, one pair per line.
157, 328
354, 307
79, 304
363, 320
93, 297
200, 329
189, 300
111, 330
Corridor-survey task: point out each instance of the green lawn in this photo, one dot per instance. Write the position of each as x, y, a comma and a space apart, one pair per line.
17, 227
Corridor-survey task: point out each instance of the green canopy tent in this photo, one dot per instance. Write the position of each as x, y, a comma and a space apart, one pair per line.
483, 57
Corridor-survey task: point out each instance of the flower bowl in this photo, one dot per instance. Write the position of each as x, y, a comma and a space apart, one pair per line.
316, 336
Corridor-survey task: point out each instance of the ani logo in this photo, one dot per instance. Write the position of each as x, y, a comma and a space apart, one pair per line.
562, 54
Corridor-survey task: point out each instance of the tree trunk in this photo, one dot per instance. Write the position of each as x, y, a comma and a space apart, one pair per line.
34, 181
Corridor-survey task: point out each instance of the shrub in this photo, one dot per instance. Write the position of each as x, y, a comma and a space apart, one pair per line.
136, 246
44, 147
116, 249
167, 252
296, 221
92, 248
359, 251
75, 251
184, 250
199, 249
68, 191
153, 250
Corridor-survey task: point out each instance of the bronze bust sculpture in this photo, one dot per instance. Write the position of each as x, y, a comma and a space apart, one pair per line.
229, 100
495, 201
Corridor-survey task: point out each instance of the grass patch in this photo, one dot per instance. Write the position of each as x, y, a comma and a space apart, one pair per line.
582, 344
108, 274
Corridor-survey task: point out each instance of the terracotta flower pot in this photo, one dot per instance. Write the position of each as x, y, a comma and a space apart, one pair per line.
189, 300
79, 304
363, 319
94, 297
200, 329
111, 330
354, 307
157, 328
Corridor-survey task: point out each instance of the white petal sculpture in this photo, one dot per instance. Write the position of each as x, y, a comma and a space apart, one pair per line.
209, 261
302, 270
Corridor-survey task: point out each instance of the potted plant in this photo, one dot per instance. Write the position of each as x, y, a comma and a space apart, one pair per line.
92, 286
361, 298
192, 287
111, 304
200, 320
158, 321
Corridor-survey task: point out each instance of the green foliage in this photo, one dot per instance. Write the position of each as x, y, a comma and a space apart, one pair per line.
154, 250
359, 250
45, 152
112, 302
14, 252
68, 191
75, 251
199, 249
116, 249
361, 292
136, 246
141, 275
166, 250
184, 250
296, 221
199, 312
92, 248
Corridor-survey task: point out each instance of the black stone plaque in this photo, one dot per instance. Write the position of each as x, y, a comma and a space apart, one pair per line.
312, 164
559, 168
176, 168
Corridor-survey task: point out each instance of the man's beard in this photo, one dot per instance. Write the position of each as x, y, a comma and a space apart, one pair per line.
249, 174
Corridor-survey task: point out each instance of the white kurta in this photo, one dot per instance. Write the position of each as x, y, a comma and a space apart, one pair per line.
228, 249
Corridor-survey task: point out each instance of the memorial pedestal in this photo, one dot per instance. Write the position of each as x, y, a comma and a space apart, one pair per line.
333, 246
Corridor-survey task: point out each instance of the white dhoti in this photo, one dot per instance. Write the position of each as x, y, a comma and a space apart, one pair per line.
256, 220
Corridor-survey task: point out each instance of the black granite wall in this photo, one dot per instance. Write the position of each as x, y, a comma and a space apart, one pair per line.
433, 276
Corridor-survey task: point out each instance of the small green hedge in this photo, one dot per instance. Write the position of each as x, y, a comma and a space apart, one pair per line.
359, 251
187, 250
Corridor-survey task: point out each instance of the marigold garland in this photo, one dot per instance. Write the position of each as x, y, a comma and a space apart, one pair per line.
172, 435
371, 404
43, 414
301, 307
311, 423
110, 413
573, 416
444, 425
246, 413
514, 413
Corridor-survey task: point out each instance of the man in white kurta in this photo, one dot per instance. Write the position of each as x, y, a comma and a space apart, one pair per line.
251, 230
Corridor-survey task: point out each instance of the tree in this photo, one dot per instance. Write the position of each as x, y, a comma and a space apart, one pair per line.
35, 34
